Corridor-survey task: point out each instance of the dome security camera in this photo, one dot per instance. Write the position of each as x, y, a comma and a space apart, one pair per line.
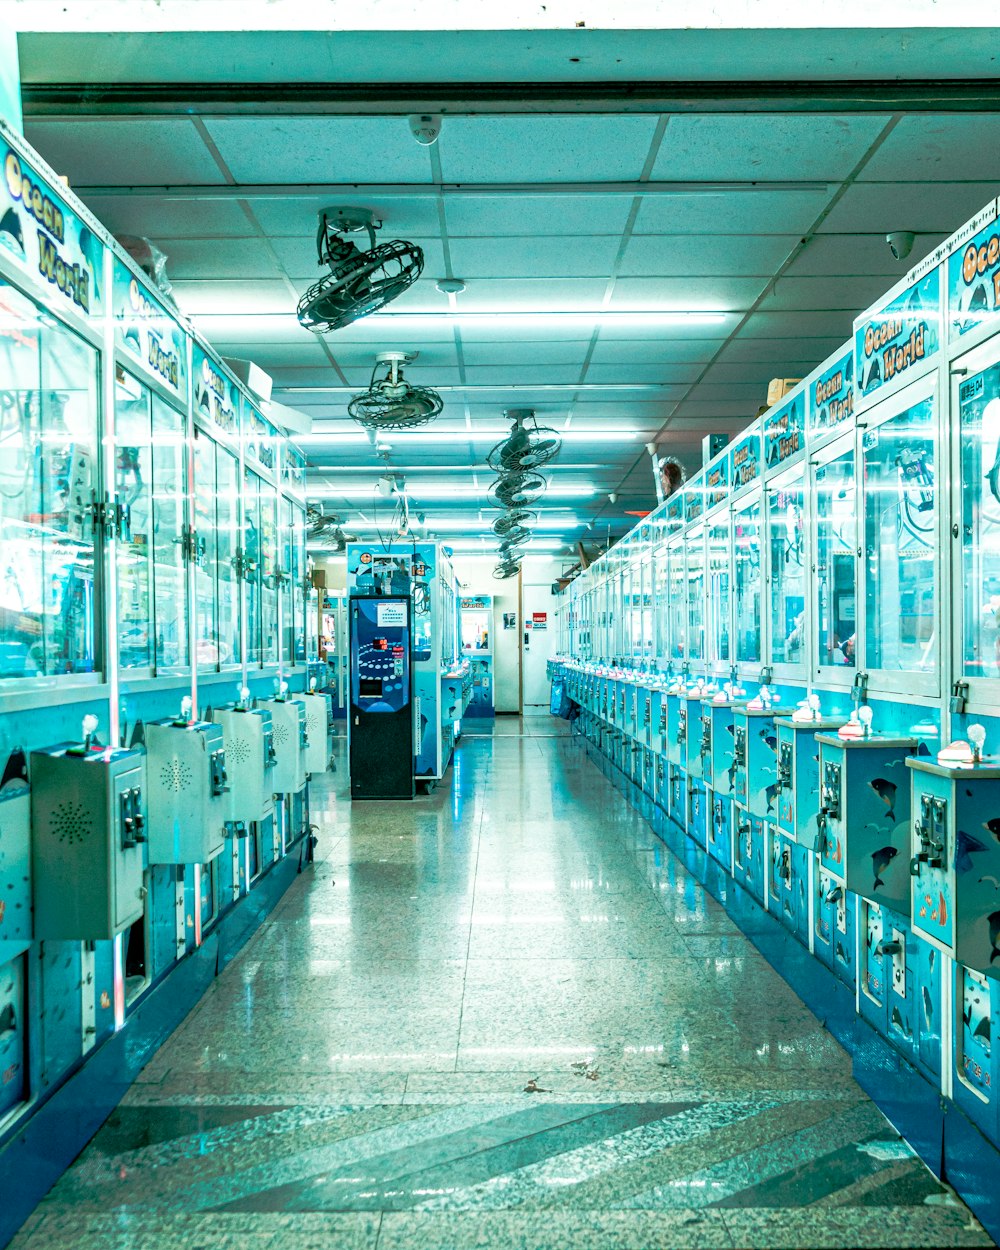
900, 243
425, 128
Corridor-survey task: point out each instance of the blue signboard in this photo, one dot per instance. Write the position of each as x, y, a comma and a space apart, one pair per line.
746, 458
830, 394
894, 340
974, 276
783, 429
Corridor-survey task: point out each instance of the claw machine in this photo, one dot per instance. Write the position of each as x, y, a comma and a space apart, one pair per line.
476, 629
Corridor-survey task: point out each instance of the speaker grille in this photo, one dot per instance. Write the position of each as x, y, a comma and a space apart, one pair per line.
71, 822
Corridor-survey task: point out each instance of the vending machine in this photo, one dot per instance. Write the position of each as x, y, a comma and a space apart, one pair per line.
380, 719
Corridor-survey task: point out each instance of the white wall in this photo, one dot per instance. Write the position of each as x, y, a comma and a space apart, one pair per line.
529, 593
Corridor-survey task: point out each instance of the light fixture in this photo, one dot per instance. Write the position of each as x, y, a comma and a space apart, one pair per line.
476, 435
450, 286
444, 490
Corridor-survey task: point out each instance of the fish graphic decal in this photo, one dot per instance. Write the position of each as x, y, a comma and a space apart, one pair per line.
881, 860
886, 791
993, 826
966, 845
993, 920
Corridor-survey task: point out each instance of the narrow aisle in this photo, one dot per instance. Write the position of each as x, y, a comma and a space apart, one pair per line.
357, 1077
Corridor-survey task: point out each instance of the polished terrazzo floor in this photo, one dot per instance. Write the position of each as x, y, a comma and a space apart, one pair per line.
502, 1015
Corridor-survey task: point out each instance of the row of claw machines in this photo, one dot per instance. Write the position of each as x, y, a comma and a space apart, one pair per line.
157, 731
795, 661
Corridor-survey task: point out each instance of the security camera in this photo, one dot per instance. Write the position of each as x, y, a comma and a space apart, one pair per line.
425, 127
900, 243
613, 497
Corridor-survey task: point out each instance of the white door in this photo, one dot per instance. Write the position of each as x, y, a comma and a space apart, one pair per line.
539, 637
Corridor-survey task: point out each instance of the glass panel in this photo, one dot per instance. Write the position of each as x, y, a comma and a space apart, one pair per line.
48, 469
228, 520
696, 594
979, 410
676, 602
269, 572
835, 498
206, 605
787, 586
301, 652
287, 547
169, 500
746, 576
251, 555
718, 590
900, 505
648, 643
660, 598
133, 484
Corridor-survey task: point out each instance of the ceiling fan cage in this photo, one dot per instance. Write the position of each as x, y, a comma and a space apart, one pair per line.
528, 446
514, 519
504, 571
359, 282
517, 490
392, 403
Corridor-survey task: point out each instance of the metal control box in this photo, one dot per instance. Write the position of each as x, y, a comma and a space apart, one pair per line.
88, 829
798, 778
15, 866
755, 755
319, 746
675, 740
249, 743
288, 725
718, 742
954, 859
864, 816
188, 791
695, 732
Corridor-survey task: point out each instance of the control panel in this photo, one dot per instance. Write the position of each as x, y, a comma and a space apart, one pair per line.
288, 728
189, 791
863, 824
798, 777
88, 819
319, 746
250, 761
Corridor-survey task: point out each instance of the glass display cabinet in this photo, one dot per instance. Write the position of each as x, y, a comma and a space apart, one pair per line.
786, 572
747, 581
49, 473
834, 495
900, 540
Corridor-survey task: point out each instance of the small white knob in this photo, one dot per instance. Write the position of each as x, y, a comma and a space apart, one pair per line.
89, 725
186, 707
865, 714
977, 736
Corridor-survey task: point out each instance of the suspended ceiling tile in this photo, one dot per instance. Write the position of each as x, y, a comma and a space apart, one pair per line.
218, 258
521, 374
352, 351
837, 255
693, 416
264, 149
554, 256
232, 298
264, 328
544, 148
157, 217
853, 293
938, 148
297, 217
639, 416
753, 372
571, 353
765, 146
648, 374
511, 331
567, 294
690, 255
290, 356
125, 151
925, 207
779, 351
649, 350
663, 371
801, 325
730, 397
298, 256
734, 212
689, 294
536, 214
386, 333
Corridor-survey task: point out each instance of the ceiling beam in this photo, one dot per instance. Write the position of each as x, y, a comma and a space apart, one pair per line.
166, 99
431, 190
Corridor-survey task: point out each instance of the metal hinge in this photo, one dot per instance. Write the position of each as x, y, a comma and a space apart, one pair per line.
110, 517
244, 567
194, 546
